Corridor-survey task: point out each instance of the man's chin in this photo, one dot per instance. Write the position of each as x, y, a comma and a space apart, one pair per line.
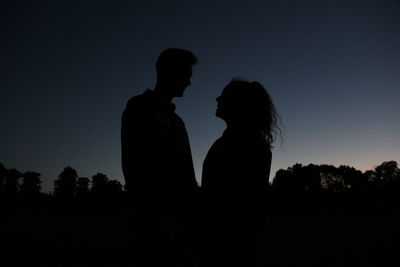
178, 94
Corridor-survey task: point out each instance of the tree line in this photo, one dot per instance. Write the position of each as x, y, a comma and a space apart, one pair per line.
311, 187
329, 188
328, 178
22, 192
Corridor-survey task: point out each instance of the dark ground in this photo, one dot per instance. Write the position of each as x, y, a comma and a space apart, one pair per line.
288, 239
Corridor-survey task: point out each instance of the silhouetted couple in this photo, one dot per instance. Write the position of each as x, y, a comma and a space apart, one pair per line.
181, 224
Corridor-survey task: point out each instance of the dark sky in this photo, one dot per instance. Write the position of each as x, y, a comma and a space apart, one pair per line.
68, 69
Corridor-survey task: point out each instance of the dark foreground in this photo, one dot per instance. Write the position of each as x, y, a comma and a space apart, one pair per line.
288, 239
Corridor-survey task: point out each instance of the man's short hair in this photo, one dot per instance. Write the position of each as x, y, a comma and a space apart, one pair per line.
174, 58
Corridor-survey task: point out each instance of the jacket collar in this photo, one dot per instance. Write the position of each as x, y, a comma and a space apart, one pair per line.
158, 102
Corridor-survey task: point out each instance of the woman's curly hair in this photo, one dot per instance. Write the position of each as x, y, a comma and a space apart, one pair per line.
255, 106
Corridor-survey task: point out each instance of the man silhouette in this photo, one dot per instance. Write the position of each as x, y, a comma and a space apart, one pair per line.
157, 161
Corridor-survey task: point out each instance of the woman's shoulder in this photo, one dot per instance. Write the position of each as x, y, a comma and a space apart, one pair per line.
232, 143
220, 146
251, 140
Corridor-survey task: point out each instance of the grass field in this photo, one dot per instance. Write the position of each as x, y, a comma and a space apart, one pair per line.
287, 239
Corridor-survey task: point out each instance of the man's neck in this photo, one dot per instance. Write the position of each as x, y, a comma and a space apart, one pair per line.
159, 91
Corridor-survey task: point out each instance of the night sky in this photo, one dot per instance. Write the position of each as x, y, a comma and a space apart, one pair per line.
68, 69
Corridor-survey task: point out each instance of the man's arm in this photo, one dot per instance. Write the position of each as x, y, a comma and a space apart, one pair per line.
137, 146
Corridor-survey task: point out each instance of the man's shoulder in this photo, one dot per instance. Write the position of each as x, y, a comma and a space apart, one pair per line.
141, 100
140, 103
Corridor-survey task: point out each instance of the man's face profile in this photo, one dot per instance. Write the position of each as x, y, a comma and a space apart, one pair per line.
174, 71
178, 80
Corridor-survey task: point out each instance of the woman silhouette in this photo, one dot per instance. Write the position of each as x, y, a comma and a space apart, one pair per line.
235, 173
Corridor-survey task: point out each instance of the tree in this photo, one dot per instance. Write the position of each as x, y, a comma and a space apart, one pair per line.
385, 177
331, 180
286, 180
106, 193
114, 187
30, 186
99, 184
387, 170
370, 178
353, 179
82, 186
65, 185
298, 178
11, 184
309, 177
388, 175
3, 173
282, 179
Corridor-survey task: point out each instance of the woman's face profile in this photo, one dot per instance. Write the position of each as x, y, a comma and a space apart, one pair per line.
227, 104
